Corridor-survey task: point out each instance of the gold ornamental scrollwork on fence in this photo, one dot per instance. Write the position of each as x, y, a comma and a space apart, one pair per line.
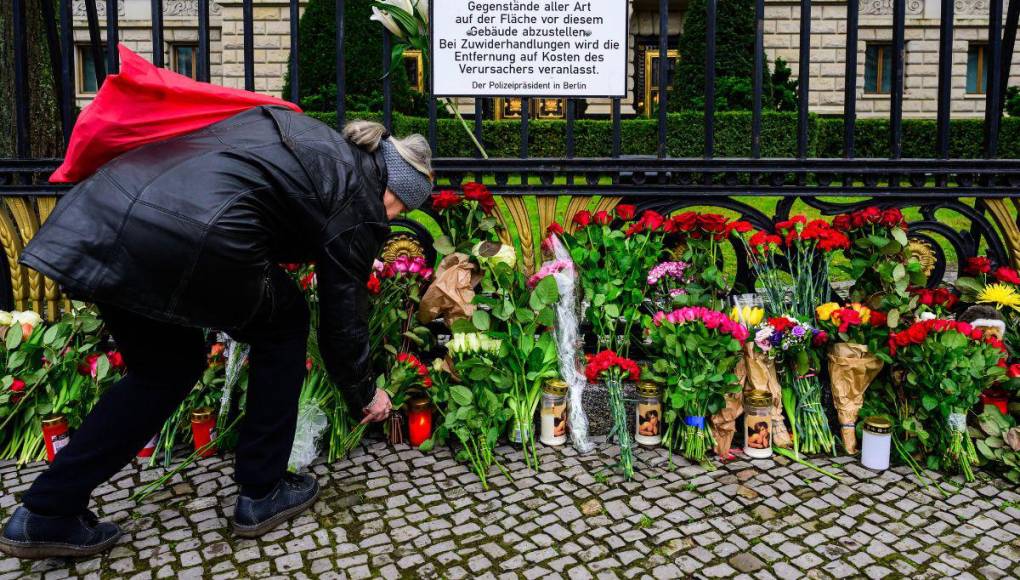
19, 221
1003, 212
518, 214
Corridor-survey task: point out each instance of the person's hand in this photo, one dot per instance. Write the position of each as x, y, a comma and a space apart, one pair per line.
379, 409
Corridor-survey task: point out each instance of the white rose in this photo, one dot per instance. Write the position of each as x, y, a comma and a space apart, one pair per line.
28, 317
492, 253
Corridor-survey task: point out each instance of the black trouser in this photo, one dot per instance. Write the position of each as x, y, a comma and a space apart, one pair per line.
164, 362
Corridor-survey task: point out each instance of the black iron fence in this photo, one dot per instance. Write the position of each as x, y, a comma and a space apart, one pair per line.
979, 190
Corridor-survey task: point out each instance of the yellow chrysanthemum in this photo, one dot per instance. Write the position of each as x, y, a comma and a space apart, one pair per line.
1001, 296
824, 312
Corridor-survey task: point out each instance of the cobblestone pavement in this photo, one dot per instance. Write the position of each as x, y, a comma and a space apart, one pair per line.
399, 513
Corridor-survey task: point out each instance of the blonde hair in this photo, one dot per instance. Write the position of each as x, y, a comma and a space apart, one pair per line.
414, 148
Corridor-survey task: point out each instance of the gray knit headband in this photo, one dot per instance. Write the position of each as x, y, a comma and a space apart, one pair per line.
412, 186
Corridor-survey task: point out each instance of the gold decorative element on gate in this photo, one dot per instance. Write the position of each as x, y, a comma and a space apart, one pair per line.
1002, 216
924, 253
402, 246
20, 219
517, 213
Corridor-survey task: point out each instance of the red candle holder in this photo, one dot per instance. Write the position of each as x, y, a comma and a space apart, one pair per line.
203, 431
997, 397
419, 420
150, 448
55, 435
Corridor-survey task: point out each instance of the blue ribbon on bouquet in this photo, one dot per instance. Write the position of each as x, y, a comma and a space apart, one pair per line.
697, 422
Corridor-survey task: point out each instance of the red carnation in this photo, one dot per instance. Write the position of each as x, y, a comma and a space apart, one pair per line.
626, 212
477, 192
602, 218
781, 324
791, 223
740, 227
554, 229
1008, 275
445, 199
582, 218
978, 265
820, 338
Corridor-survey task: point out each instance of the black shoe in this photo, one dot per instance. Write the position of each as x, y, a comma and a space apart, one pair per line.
33, 536
292, 495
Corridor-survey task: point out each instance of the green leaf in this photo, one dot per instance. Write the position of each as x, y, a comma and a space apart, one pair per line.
612, 310
14, 336
929, 402
461, 395
481, 320
443, 245
900, 236
547, 290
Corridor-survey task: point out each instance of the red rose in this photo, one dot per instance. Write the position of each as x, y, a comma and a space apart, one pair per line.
116, 359
1013, 371
978, 265
88, 368
917, 333
374, 285
712, 223
291, 267
602, 218
841, 222
477, 192
741, 227
554, 229
445, 199
17, 385
820, 338
582, 218
901, 338
1008, 275
872, 215
686, 221
626, 212
308, 281
878, 319
892, 217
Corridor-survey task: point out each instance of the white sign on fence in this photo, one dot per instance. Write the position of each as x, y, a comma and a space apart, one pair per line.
490, 48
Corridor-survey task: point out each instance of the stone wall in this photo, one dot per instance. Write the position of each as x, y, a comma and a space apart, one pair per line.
828, 52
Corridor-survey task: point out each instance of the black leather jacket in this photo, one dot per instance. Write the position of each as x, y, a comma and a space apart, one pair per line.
186, 230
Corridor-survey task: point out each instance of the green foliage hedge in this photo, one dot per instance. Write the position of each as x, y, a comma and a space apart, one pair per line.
685, 136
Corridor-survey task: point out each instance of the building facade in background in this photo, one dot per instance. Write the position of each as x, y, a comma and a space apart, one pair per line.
782, 29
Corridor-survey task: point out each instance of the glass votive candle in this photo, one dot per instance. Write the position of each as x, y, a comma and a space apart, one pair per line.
758, 424
419, 420
877, 443
554, 412
648, 429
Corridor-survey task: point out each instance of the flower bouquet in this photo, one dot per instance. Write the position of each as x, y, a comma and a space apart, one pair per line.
933, 303
879, 259
667, 281
855, 361
945, 365
395, 290
519, 316
696, 240
465, 218
989, 286
805, 251
613, 265
471, 393
791, 342
613, 369
698, 350
60, 368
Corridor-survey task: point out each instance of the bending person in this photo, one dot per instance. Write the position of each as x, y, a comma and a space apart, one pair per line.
186, 234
